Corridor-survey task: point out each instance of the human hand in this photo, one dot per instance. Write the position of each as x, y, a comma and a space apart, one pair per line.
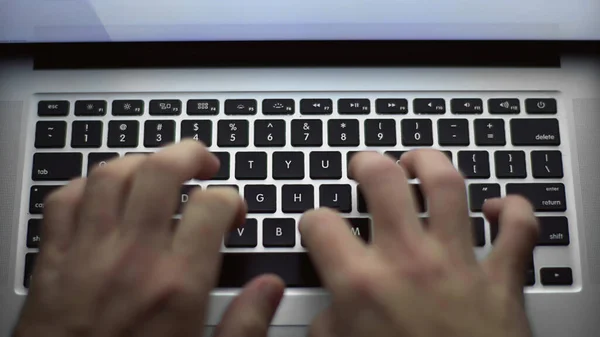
112, 263
418, 281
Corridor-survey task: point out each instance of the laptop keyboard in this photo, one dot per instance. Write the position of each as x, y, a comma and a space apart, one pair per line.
287, 155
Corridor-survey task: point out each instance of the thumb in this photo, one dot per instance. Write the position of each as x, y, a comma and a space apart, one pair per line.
251, 312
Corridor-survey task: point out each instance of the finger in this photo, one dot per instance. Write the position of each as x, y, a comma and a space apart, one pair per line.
518, 234
389, 199
58, 228
156, 187
207, 217
251, 313
444, 189
60, 218
104, 196
322, 326
330, 244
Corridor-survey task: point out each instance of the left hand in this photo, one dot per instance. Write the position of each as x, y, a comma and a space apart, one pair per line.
111, 263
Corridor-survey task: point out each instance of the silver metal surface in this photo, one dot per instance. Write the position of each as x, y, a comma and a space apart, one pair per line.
554, 312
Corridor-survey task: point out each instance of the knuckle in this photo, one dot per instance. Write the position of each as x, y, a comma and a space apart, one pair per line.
449, 177
159, 164
360, 281
197, 196
225, 198
106, 173
62, 197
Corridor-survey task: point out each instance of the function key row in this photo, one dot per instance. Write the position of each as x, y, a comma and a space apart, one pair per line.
346, 106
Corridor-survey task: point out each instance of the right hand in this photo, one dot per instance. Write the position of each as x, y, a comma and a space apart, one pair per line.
418, 281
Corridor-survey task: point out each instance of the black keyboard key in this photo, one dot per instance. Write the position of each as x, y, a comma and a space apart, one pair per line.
159, 133
53, 108
199, 130
269, 133
308, 132
29, 265
395, 155
184, 196
380, 132
325, 165
361, 228
86, 134
420, 202
233, 133
279, 232
123, 133
34, 233
547, 164
99, 159
50, 135
510, 164
419, 198
317, 106
435, 106
474, 164
343, 132
244, 236
288, 165
361, 202
479, 193
392, 106
235, 187
142, 153
90, 108
541, 106
417, 132
251, 165
554, 231
556, 276
203, 107
132, 107
453, 132
240, 107
504, 106
543, 132
297, 198
278, 107
490, 132
338, 197
165, 107
461, 106
225, 167
37, 196
478, 232
56, 166
261, 198
530, 274
354, 106
295, 269
543, 197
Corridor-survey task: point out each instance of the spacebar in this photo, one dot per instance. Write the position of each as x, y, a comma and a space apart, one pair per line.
295, 269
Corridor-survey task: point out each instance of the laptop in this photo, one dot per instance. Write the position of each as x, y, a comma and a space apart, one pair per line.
284, 93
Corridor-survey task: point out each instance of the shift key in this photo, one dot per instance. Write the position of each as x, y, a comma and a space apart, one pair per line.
543, 197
